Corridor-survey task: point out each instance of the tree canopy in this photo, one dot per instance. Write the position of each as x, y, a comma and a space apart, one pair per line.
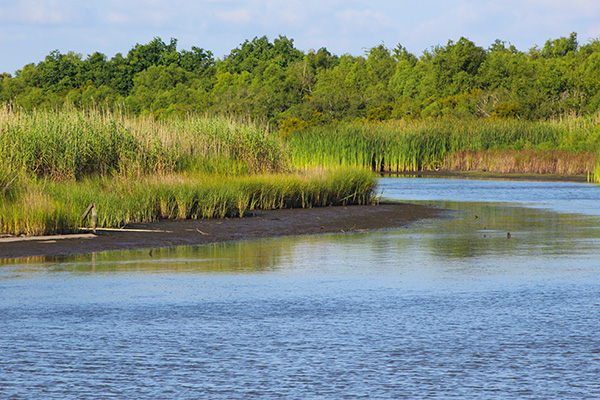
272, 80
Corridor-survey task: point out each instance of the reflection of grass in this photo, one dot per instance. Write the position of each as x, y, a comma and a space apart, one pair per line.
45, 207
227, 257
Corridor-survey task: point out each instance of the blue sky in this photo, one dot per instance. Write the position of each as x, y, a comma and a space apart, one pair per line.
31, 29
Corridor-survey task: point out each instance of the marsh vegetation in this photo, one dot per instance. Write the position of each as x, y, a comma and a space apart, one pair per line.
135, 169
562, 147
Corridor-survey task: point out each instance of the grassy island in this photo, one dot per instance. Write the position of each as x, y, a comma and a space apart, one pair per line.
53, 165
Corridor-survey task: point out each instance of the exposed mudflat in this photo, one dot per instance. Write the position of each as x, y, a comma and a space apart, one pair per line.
271, 223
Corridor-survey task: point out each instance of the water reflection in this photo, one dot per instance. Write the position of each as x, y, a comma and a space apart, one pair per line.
491, 230
471, 234
245, 256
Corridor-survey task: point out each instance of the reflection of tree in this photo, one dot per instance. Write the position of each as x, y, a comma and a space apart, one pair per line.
533, 231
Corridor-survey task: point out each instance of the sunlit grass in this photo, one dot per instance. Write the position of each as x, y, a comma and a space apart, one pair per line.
45, 207
135, 169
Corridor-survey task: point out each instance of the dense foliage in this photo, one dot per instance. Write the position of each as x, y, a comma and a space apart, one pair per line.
274, 81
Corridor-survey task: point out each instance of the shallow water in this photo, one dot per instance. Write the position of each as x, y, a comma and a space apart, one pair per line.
444, 308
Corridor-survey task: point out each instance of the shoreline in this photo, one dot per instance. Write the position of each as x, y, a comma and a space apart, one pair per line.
488, 175
258, 224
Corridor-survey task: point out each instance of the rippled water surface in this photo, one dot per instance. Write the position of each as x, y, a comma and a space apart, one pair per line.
444, 308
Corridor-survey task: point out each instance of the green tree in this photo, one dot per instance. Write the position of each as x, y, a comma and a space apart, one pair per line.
338, 92
560, 47
380, 67
404, 84
252, 54
96, 69
121, 74
152, 88
311, 65
589, 78
61, 72
156, 52
198, 61
453, 69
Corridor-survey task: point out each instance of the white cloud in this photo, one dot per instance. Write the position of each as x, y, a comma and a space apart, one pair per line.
36, 12
239, 15
367, 19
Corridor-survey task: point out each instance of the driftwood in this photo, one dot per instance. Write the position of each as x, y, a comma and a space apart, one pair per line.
91, 208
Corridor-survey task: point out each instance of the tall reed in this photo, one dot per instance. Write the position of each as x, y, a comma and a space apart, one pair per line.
72, 144
443, 144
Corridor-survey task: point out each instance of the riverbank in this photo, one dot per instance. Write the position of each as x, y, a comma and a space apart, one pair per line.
259, 224
491, 175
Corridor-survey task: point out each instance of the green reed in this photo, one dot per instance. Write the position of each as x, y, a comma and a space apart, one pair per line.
134, 169
432, 144
45, 207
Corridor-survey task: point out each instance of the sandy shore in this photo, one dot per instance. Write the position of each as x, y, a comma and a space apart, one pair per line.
270, 223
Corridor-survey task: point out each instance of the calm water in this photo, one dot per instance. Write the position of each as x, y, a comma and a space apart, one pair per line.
445, 308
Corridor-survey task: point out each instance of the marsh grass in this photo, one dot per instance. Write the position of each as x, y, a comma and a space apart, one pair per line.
135, 169
565, 146
46, 207
73, 144
533, 161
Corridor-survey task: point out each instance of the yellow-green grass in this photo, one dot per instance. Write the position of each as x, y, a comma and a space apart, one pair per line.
53, 164
72, 144
46, 207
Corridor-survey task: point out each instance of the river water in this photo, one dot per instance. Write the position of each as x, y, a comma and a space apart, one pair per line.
445, 308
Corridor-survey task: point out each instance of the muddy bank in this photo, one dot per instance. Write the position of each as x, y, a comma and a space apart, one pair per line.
270, 223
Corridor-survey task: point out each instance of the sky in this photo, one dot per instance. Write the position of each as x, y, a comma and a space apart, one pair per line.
31, 29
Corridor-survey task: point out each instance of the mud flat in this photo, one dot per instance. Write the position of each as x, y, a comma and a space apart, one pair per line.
271, 223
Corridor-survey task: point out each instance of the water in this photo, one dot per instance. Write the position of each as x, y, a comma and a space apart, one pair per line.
445, 308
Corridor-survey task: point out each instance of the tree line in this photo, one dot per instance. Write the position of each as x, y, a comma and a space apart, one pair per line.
273, 81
